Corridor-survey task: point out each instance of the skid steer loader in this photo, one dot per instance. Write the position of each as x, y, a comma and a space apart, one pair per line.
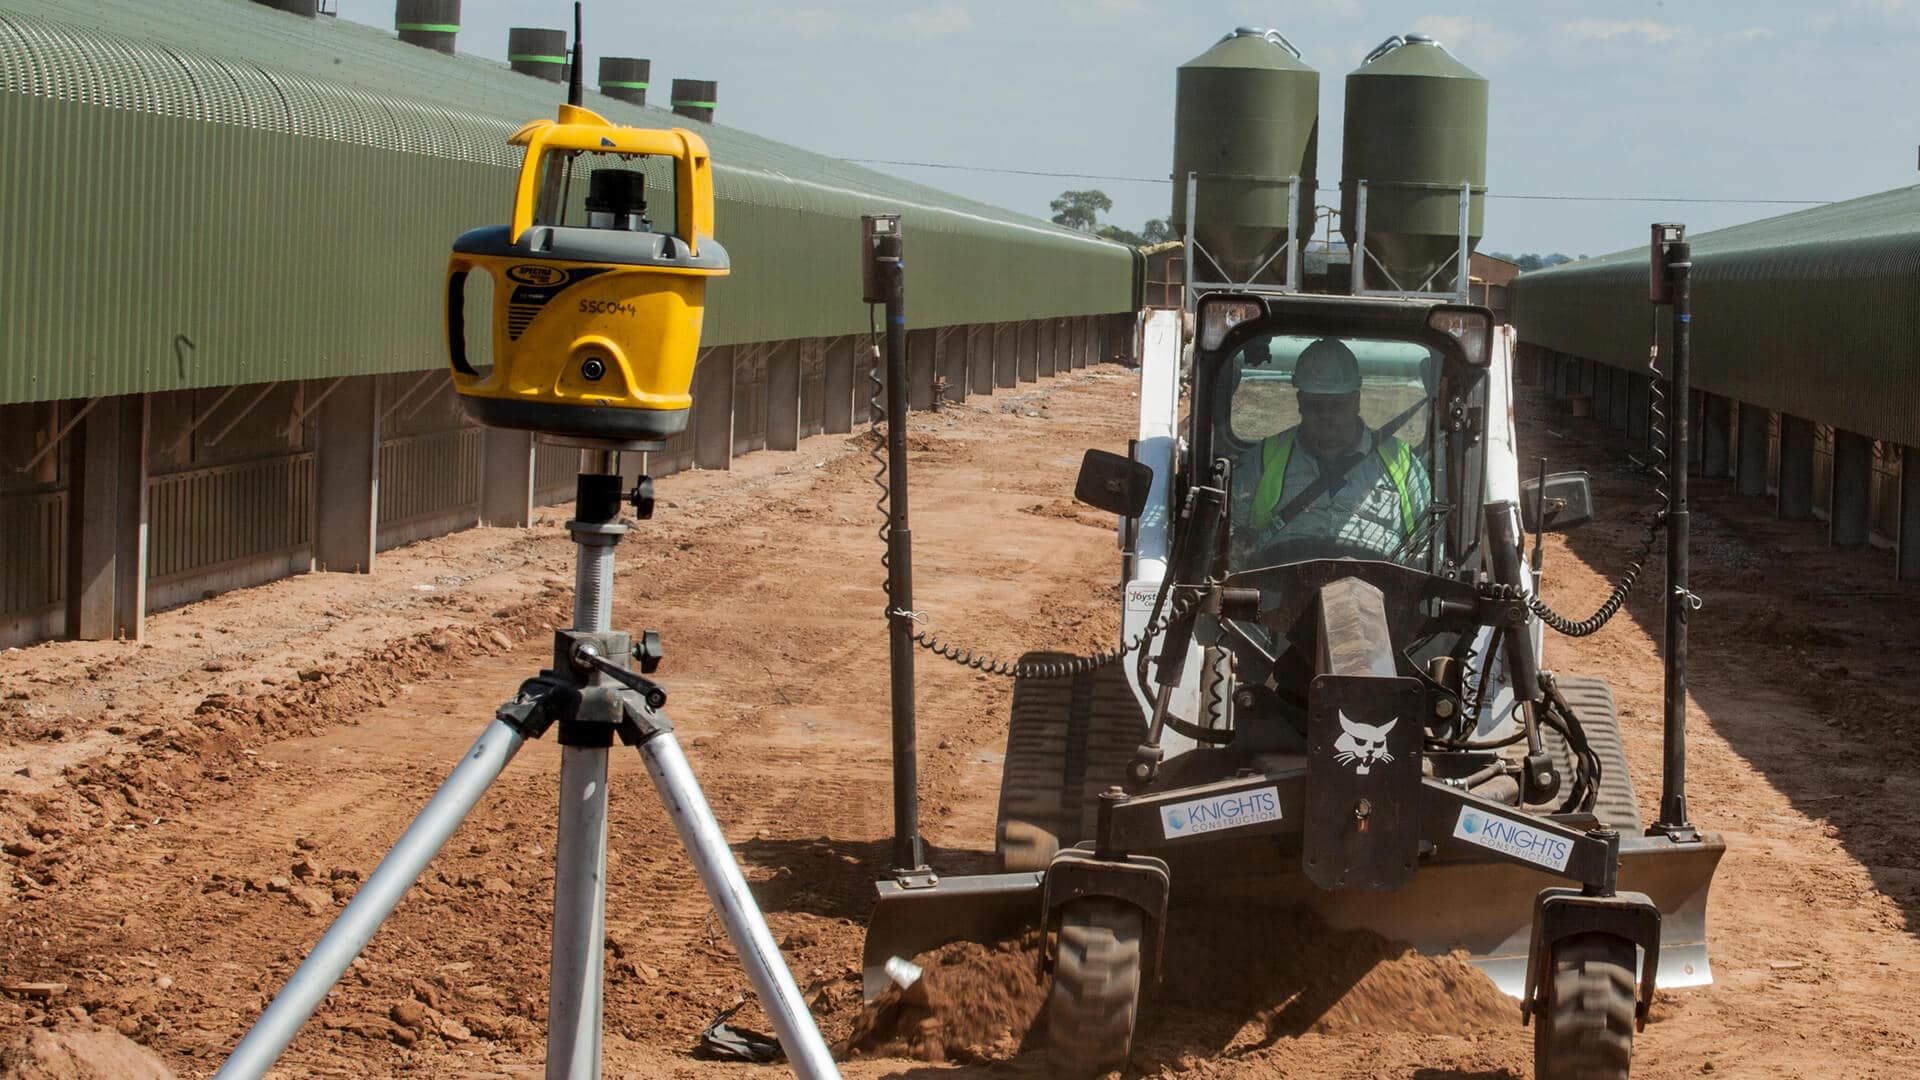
1345, 714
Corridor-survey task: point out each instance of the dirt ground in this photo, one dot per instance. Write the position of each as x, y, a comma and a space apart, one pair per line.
181, 818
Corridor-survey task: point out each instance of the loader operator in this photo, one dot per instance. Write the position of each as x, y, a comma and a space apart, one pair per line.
1329, 486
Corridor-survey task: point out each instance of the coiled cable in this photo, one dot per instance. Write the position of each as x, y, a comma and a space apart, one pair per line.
1656, 520
1182, 607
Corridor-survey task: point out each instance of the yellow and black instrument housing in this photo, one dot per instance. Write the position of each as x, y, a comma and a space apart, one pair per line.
595, 329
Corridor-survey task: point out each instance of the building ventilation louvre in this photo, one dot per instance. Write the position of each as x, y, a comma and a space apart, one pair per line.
624, 78
539, 53
430, 24
694, 98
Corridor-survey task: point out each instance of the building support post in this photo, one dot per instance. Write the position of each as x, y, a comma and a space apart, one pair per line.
1621, 411
1852, 490
920, 368
506, 478
1907, 554
1639, 402
131, 517
1716, 438
713, 408
1750, 470
980, 358
92, 502
841, 380
346, 480
1794, 501
1006, 355
783, 396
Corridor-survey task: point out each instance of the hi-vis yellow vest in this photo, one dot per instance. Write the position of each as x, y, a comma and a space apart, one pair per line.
1395, 456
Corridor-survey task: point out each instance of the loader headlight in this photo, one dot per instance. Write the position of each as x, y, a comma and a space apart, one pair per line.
1471, 327
1219, 315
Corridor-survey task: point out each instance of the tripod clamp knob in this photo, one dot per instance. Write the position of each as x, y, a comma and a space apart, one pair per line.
641, 499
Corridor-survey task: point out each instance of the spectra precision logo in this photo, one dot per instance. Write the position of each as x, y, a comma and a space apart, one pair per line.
1235, 811
536, 274
1509, 837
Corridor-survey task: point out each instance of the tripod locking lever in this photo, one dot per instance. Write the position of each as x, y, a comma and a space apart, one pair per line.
586, 657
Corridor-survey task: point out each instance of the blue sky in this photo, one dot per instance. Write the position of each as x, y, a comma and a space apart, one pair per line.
1770, 99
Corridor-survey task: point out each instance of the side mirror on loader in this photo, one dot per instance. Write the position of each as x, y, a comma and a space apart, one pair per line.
1116, 484
1560, 500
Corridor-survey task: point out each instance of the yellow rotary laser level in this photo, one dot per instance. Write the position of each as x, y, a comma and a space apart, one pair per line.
595, 326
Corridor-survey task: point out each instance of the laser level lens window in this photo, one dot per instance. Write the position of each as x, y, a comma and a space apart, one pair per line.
608, 191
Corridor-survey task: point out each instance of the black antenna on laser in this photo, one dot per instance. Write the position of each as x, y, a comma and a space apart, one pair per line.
573, 76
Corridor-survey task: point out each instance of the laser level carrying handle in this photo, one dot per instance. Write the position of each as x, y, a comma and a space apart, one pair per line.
457, 268
584, 131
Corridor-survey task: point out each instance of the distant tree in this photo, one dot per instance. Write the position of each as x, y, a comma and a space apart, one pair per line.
1080, 209
1534, 262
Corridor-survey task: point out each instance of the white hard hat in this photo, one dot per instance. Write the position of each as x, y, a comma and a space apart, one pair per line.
1327, 367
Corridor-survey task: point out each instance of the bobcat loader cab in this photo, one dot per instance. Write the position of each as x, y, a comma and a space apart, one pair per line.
1428, 379
1355, 720
1339, 713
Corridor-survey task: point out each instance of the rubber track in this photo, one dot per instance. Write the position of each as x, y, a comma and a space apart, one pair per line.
1592, 701
1587, 1031
1095, 998
1028, 826
1067, 741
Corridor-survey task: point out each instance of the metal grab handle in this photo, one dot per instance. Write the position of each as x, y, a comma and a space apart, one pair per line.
458, 269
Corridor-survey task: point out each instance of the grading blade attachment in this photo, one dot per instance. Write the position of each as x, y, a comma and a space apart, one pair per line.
911, 919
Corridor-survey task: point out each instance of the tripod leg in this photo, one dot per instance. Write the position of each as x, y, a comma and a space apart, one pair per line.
766, 968
579, 916
373, 903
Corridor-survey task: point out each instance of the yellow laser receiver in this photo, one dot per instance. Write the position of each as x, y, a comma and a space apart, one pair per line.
596, 325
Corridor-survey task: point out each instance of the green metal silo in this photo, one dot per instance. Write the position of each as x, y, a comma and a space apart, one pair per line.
1246, 120
1416, 130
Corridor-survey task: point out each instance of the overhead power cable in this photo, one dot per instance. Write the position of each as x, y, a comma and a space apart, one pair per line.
1014, 172
1490, 194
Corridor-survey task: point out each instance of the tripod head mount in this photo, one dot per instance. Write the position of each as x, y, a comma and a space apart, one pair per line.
590, 692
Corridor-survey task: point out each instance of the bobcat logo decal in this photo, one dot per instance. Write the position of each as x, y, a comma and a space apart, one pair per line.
1362, 745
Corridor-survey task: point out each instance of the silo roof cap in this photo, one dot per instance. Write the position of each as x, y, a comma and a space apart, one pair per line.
1272, 37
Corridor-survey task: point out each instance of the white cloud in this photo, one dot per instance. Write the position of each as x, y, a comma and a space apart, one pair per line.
1466, 36
1653, 33
1752, 33
937, 20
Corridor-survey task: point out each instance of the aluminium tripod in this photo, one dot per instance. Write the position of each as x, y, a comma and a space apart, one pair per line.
591, 695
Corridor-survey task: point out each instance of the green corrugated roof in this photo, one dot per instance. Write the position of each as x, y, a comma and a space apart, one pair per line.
281, 192
1815, 313
375, 63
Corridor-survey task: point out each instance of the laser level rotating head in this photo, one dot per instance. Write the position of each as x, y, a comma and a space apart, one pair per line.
595, 323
